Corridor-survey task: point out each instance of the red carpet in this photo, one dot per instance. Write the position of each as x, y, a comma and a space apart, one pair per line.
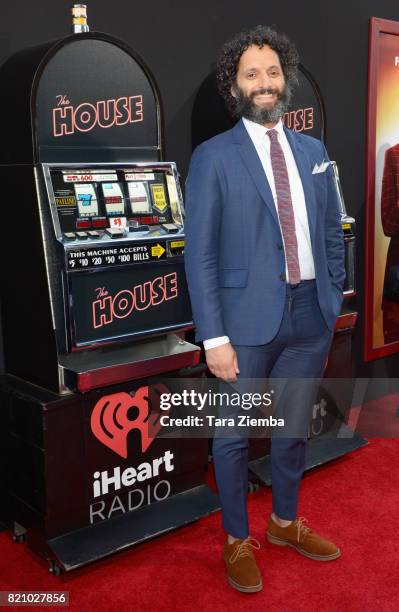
353, 500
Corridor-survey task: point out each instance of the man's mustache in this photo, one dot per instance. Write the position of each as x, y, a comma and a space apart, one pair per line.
263, 91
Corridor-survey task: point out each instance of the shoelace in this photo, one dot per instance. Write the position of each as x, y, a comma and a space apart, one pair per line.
244, 549
301, 528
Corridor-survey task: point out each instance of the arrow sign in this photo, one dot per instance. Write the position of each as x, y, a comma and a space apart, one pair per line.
157, 251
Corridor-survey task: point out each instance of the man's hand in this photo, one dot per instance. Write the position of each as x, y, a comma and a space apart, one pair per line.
222, 362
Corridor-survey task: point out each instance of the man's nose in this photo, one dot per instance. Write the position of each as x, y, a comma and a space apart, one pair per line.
264, 81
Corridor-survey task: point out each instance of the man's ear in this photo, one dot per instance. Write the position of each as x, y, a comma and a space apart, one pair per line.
233, 91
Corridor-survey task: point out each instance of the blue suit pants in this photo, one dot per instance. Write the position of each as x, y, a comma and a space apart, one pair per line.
298, 351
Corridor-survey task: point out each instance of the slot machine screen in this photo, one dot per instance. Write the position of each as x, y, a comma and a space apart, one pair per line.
113, 198
139, 197
87, 200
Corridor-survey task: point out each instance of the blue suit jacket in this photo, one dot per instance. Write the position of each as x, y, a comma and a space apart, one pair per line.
234, 259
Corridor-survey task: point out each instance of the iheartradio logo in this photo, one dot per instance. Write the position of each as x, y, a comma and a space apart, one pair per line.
111, 419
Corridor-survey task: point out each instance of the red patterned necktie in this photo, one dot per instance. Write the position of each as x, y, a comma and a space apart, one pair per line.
284, 206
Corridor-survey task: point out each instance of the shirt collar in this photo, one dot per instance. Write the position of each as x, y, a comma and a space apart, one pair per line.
257, 132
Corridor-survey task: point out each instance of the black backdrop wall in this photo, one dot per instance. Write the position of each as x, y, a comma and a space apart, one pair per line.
179, 41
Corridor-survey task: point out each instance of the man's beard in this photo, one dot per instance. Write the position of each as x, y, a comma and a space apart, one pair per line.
245, 107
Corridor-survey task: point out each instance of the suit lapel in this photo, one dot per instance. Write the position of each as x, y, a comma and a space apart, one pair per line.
305, 172
254, 166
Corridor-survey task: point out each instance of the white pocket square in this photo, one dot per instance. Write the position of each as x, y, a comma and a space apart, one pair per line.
318, 168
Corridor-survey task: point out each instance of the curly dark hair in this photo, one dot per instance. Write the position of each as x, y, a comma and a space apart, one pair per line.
232, 50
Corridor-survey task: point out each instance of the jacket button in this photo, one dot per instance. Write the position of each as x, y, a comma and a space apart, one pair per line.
282, 277
280, 247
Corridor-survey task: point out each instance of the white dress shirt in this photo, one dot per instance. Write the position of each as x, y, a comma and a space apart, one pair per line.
257, 133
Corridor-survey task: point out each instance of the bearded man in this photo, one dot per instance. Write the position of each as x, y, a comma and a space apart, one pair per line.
265, 268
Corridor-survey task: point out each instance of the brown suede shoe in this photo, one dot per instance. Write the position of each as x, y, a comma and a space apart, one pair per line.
303, 539
242, 572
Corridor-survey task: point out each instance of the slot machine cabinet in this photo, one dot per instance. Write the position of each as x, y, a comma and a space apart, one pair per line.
90, 196
94, 303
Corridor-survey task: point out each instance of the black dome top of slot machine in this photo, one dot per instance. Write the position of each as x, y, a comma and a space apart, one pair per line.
86, 96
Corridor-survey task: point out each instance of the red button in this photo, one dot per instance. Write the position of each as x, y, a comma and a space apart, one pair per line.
148, 220
83, 223
100, 222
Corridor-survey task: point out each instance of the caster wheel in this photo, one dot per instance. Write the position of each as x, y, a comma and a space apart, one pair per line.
19, 537
54, 569
252, 487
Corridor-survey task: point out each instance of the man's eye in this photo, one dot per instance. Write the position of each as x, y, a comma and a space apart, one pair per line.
251, 75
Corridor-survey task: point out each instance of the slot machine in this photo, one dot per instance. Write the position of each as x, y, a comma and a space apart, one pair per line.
349, 230
94, 303
340, 359
99, 262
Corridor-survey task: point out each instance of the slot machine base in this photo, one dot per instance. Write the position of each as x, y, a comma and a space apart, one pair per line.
90, 544
322, 446
320, 450
72, 497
